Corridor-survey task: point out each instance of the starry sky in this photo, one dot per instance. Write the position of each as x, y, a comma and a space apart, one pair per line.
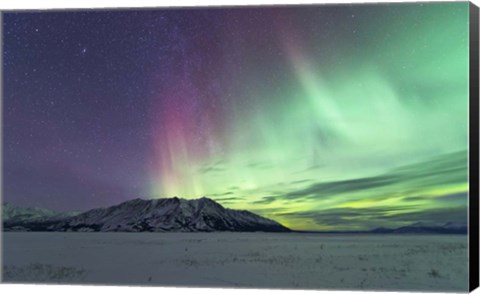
327, 117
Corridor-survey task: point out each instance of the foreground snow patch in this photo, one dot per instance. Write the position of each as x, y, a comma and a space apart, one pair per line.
255, 260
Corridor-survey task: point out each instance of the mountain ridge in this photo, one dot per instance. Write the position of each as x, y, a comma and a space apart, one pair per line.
155, 215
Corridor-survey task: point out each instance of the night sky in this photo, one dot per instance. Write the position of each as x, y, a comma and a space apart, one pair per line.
320, 117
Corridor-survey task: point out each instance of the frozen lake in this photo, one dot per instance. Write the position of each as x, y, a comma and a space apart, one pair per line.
254, 260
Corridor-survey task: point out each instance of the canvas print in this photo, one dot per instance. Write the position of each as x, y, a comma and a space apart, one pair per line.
297, 147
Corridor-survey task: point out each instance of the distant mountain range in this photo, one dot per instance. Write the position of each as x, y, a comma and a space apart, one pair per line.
15, 214
139, 215
420, 228
174, 215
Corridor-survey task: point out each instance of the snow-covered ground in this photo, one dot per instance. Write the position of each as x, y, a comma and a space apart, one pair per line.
257, 260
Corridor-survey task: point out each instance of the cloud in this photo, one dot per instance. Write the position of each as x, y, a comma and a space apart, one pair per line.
455, 197
436, 216
422, 178
340, 187
416, 198
260, 165
449, 168
301, 181
265, 200
345, 216
212, 168
229, 199
442, 170
222, 194
369, 218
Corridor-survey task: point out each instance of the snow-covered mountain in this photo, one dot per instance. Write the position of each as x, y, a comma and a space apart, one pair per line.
162, 215
15, 214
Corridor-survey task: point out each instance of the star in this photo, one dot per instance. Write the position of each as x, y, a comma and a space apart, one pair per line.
96, 97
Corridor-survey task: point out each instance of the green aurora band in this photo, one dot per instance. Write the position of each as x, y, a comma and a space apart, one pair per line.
368, 130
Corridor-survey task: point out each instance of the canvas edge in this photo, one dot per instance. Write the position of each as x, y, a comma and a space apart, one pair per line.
473, 149
1, 145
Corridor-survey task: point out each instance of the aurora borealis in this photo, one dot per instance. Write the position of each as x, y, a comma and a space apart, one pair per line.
327, 117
